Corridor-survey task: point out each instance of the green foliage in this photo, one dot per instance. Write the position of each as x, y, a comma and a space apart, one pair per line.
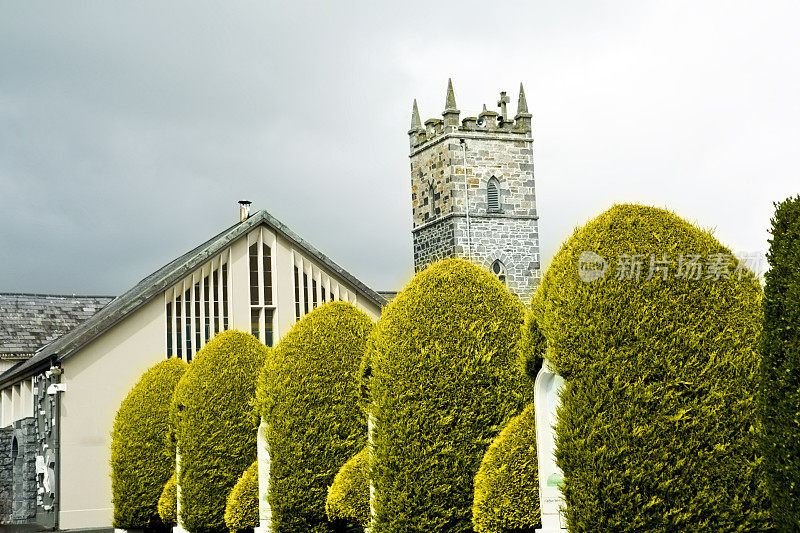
445, 381
780, 368
168, 502
507, 484
141, 459
533, 346
348, 496
655, 429
308, 396
365, 373
241, 511
215, 429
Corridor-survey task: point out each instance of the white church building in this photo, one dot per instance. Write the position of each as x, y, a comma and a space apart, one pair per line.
472, 196
58, 407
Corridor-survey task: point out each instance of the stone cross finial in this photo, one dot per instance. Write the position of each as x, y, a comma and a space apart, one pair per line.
502, 104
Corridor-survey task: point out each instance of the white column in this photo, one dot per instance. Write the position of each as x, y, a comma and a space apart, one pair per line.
264, 511
179, 527
16, 402
370, 429
8, 406
547, 397
27, 406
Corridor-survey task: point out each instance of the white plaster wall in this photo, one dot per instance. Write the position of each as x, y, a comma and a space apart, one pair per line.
5, 364
239, 286
98, 378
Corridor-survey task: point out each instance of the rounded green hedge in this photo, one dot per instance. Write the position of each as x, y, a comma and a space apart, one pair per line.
780, 368
168, 502
507, 483
216, 432
364, 374
241, 511
533, 347
656, 426
142, 460
348, 496
308, 396
445, 380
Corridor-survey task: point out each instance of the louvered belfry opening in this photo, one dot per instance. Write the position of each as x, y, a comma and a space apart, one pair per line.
492, 195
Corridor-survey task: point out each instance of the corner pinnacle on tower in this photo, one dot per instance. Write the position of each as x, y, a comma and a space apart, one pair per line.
522, 104
523, 118
415, 122
417, 132
451, 112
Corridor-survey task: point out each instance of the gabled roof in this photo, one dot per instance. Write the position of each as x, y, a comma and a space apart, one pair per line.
29, 321
159, 281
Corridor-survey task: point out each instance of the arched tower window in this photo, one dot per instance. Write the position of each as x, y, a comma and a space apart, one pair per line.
493, 195
431, 201
499, 270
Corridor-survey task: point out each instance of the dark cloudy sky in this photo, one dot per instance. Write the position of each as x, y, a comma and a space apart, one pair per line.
128, 131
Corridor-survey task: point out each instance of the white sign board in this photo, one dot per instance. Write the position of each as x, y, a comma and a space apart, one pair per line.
547, 390
264, 511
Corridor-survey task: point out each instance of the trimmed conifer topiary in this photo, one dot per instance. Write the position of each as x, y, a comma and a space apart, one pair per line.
780, 368
364, 373
507, 483
308, 397
216, 433
168, 502
142, 459
348, 496
533, 347
241, 511
656, 426
445, 380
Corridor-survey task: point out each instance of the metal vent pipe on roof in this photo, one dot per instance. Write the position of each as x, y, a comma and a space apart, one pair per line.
244, 209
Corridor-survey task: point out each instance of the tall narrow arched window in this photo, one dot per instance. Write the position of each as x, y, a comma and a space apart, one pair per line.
431, 202
493, 195
499, 270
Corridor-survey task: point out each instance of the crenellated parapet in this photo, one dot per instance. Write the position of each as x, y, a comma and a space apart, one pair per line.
487, 122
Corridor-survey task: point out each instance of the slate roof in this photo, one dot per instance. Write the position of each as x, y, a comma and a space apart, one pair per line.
29, 321
159, 281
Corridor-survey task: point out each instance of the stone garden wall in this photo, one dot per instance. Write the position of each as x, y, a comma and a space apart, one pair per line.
6, 473
18, 472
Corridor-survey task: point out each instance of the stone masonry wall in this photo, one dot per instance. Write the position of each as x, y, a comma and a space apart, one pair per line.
6, 474
46, 441
433, 243
513, 241
439, 173
20, 453
431, 182
511, 163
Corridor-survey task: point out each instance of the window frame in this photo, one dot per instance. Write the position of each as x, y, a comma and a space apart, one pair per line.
260, 310
183, 342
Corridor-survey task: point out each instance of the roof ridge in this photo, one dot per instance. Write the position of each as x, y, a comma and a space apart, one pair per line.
55, 295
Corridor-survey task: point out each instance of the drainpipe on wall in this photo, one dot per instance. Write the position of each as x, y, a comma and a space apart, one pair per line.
57, 387
466, 198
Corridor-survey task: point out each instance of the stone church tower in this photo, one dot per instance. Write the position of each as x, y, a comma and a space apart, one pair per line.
472, 192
